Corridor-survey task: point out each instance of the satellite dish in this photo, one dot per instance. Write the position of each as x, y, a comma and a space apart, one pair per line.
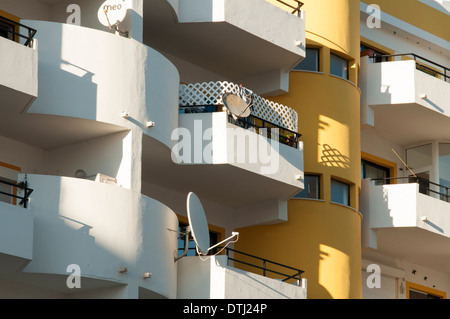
236, 105
112, 12
198, 223
198, 227
239, 105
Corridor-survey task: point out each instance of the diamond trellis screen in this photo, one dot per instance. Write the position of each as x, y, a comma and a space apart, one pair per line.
210, 93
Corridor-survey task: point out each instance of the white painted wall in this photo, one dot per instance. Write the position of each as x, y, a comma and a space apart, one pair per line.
401, 271
102, 227
225, 143
18, 76
16, 231
288, 30
114, 75
400, 205
212, 279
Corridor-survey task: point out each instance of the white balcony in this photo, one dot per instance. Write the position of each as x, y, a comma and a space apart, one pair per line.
213, 279
400, 221
101, 228
253, 165
223, 36
18, 76
16, 237
404, 104
88, 79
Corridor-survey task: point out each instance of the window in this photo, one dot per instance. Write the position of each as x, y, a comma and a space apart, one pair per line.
375, 171
444, 168
338, 66
419, 157
6, 30
6, 190
340, 192
371, 52
213, 238
312, 187
311, 61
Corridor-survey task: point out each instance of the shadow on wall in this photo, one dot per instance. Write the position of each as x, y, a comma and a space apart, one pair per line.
332, 157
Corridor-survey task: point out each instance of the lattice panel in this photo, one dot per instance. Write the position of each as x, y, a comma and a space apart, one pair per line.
210, 93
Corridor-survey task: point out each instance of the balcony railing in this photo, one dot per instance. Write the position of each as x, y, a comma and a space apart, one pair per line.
295, 7
425, 186
22, 186
296, 274
10, 28
267, 118
422, 64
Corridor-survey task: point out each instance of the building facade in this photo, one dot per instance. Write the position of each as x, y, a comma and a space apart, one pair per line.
112, 112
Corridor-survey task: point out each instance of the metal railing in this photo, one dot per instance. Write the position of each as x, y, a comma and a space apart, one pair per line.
22, 186
422, 64
30, 32
297, 273
268, 129
296, 10
260, 125
425, 186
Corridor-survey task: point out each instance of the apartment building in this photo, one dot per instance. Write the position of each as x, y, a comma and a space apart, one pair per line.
405, 138
113, 113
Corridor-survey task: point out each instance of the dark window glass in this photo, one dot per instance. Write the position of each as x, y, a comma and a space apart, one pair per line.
372, 170
311, 61
338, 66
312, 187
5, 30
340, 192
213, 238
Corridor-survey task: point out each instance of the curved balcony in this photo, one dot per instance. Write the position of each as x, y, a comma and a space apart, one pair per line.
409, 221
406, 101
114, 235
93, 75
221, 37
19, 65
256, 163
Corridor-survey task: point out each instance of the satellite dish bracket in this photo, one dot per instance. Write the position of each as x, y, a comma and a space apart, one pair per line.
115, 26
186, 244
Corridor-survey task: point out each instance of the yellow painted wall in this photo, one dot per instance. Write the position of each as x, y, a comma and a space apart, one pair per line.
316, 240
321, 237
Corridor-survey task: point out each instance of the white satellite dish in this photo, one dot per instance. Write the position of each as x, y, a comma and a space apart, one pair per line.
112, 12
239, 105
198, 223
198, 227
236, 105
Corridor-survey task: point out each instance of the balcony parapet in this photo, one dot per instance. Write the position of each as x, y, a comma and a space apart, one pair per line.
213, 279
403, 206
408, 89
210, 94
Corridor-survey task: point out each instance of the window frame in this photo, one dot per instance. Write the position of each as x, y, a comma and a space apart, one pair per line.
319, 185
347, 70
334, 181
317, 60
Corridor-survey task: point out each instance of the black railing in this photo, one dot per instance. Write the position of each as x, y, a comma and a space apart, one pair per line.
296, 10
260, 125
425, 186
15, 26
264, 263
22, 186
422, 64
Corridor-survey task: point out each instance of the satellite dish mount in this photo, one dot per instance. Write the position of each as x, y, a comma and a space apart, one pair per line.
198, 228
